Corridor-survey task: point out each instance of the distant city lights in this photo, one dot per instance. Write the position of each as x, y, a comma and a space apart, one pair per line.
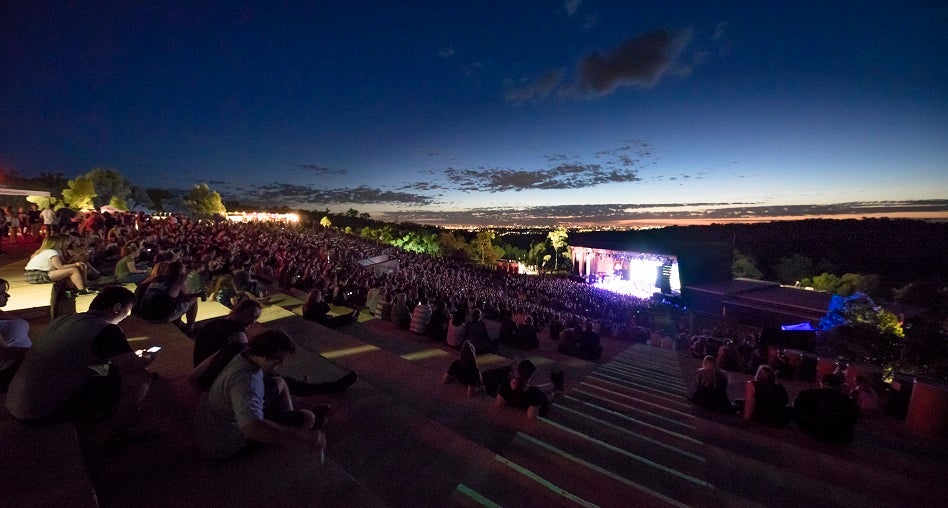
262, 217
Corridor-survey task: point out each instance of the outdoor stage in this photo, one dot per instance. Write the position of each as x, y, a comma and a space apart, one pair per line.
639, 274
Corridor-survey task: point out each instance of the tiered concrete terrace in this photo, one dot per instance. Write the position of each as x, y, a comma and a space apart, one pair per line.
622, 434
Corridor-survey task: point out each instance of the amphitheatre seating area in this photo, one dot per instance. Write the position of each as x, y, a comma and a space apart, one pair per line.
621, 434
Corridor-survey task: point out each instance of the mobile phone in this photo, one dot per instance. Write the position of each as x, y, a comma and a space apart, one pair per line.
153, 349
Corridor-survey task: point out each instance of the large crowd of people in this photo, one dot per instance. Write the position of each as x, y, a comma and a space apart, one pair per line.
176, 262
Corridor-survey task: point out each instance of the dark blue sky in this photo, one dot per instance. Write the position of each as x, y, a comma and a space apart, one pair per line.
424, 110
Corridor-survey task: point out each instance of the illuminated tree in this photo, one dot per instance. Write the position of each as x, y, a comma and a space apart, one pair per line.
118, 203
534, 256
846, 285
558, 239
855, 326
43, 202
203, 203
325, 222
79, 192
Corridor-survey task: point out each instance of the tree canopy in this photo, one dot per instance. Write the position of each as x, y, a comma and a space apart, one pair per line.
203, 203
856, 327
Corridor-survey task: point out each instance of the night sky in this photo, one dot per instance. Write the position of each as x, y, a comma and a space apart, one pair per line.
489, 111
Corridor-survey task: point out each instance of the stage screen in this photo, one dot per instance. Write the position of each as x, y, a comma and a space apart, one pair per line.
639, 274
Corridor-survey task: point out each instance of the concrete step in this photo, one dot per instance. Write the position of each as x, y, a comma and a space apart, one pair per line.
656, 469
806, 463
672, 451
583, 478
505, 483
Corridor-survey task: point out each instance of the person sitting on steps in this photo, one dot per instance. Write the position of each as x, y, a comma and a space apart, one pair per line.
46, 265
518, 392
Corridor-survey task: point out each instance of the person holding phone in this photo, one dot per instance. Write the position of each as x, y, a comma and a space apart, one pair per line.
81, 366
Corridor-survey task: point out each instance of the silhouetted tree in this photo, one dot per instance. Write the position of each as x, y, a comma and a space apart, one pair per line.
745, 267
792, 269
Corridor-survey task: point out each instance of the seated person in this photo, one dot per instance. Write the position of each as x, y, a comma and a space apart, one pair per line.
581, 342
556, 327
46, 265
316, 309
475, 331
454, 335
420, 317
758, 357
162, 297
508, 328
401, 314
866, 398
224, 290
14, 339
518, 392
82, 365
218, 341
13, 330
438, 324
727, 356
126, 271
827, 412
526, 335
247, 403
214, 335
765, 400
711, 389
464, 370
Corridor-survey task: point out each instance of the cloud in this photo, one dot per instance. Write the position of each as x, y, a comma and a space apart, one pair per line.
614, 165
423, 186
447, 52
532, 90
571, 6
282, 193
640, 61
562, 176
719, 30
321, 170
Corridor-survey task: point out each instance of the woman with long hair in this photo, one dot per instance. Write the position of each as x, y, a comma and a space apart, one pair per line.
765, 399
162, 296
46, 265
